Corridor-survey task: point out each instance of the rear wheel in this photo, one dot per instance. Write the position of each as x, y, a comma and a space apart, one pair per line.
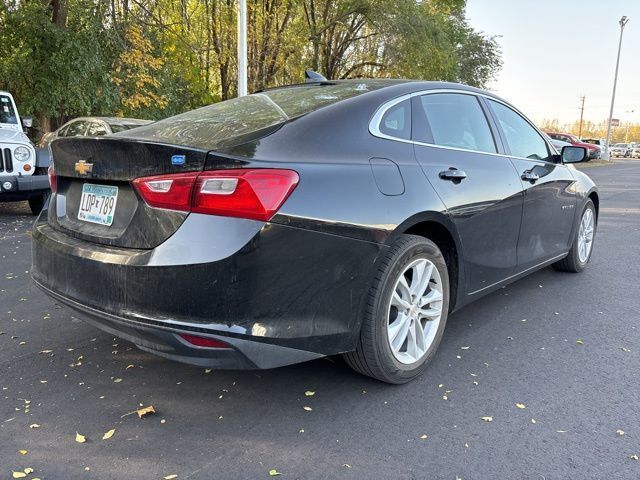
406, 312
582, 246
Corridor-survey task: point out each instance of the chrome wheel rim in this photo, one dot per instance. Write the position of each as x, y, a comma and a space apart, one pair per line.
415, 311
585, 235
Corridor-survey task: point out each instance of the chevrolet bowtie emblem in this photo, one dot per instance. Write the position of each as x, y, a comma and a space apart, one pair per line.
82, 167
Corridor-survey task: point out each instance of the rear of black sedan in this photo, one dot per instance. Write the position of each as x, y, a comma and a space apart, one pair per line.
335, 217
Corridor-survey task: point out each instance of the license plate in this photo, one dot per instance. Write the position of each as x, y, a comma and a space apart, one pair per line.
98, 204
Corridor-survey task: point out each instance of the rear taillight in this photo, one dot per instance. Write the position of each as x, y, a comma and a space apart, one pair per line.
172, 192
53, 179
246, 193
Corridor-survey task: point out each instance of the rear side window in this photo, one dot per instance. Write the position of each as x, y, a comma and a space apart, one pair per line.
396, 121
523, 140
454, 120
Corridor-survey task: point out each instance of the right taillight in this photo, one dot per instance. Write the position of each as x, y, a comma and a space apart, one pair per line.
53, 178
245, 193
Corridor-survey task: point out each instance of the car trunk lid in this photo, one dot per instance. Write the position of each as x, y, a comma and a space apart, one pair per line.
95, 199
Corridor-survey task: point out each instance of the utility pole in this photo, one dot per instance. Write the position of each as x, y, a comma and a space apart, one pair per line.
581, 115
242, 48
623, 21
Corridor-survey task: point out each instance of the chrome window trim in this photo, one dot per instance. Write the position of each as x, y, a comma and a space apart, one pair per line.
374, 123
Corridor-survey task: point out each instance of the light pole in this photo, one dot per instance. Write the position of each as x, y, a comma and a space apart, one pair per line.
623, 21
242, 48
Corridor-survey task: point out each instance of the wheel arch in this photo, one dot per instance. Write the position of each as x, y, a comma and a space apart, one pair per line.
439, 229
595, 198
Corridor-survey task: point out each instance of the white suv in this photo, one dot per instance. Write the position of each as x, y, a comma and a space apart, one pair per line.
23, 176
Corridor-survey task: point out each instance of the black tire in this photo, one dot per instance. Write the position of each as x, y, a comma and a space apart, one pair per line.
373, 356
571, 263
36, 203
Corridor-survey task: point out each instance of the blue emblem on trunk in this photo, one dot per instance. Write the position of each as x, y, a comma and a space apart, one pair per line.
177, 160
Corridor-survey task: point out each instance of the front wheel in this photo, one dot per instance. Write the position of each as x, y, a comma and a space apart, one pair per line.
405, 314
582, 246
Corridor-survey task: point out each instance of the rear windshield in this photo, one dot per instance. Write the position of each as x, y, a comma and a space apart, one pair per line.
230, 122
7, 113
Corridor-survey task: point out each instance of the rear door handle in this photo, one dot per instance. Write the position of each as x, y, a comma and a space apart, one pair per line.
530, 176
453, 174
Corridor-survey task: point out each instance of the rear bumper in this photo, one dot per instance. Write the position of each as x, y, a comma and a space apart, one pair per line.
277, 294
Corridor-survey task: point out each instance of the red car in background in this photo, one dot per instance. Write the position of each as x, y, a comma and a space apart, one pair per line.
594, 151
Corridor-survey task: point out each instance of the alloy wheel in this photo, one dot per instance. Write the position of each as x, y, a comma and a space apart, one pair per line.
415, 311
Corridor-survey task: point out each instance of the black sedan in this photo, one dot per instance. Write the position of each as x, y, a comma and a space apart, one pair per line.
346, 217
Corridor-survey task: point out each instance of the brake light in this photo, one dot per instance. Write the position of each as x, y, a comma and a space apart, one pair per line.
204, 341
53, 178
245, 193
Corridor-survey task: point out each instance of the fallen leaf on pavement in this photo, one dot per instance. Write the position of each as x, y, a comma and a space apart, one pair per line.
80, 438
423, 437
274, 473
308, 409
19, 475
533, 420
28, 470
171, 477
620, 432
145, 411
117, 380
579, 342
109, 434
309, 393
487, 419
521, 405
22, 452
34, 425
634, 457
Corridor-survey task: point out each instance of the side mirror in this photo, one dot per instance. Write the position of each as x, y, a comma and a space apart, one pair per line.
571, 154
27, 122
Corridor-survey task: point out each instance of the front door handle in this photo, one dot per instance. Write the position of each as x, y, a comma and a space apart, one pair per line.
529, 176
453, 174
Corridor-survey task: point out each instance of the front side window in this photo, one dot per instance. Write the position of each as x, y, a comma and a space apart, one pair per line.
97, 129
76, 129
523, 140
456, 121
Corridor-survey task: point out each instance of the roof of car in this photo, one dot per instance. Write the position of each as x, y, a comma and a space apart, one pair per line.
116, 120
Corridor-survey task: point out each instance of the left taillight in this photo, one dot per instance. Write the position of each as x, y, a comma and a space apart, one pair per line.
245, 193
53, 178
172, 192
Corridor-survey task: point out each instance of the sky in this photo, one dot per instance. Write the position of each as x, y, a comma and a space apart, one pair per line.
556, 51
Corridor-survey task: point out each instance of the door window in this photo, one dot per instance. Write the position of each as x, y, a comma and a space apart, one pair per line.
523, 140
76, 129
454, 120
97, 129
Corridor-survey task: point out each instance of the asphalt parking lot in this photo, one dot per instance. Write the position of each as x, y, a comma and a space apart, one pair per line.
565, 347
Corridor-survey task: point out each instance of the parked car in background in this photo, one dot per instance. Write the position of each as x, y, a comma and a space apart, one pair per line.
92, 127
23, 171
621, 150
559, 144
275, 246
600, 142
635, 152
594, 151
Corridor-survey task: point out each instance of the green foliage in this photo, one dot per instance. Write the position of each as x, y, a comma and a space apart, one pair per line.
152, 59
